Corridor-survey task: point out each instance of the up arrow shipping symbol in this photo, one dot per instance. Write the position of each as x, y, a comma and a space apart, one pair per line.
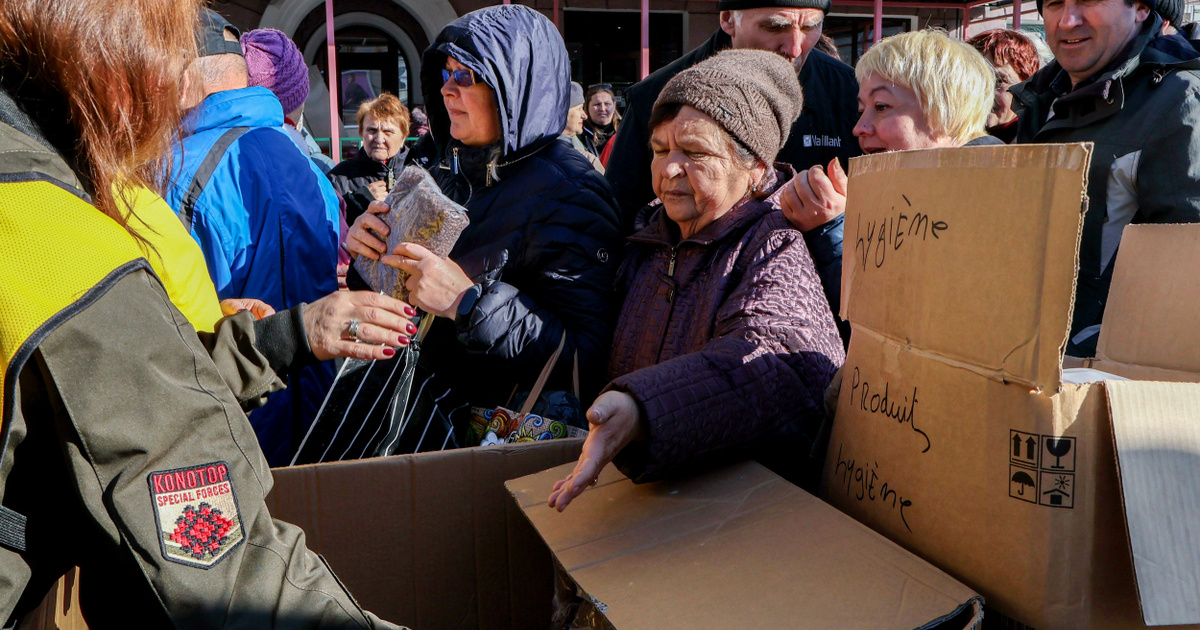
1030, 448
1016, 445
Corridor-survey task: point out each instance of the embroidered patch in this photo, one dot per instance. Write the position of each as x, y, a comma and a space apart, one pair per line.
197, 513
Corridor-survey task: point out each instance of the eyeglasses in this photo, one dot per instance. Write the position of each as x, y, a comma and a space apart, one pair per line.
463, 77
600, 86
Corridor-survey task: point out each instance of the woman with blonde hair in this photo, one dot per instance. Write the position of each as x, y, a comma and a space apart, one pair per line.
918, 90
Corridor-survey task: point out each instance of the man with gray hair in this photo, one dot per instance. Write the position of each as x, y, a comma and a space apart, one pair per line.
791, 28
264, 215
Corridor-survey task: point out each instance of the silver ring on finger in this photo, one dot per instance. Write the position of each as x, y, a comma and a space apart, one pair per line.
352, 329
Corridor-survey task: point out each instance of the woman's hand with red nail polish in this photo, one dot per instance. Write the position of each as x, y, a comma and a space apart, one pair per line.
383, 322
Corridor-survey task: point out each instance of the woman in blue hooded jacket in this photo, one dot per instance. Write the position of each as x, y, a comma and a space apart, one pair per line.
541, 251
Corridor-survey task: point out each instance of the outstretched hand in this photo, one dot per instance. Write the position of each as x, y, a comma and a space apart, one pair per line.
385, 323
815, 197
259, 308
615, 421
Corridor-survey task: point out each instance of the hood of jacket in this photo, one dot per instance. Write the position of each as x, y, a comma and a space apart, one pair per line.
518, 53
245, 107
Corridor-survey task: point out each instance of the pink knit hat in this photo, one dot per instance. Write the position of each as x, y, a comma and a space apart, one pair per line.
276, 64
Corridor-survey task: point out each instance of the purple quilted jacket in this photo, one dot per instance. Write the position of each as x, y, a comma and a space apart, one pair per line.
725, 339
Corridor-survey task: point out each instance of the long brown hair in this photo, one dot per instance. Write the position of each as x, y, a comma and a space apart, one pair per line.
117, 67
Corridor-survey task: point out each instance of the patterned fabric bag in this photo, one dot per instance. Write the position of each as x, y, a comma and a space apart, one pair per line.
501, 425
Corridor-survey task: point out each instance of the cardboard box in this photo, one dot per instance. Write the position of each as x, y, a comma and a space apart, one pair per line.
432, 540
737, 547
956, 435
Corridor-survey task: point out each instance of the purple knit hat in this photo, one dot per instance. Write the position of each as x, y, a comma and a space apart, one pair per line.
276, 64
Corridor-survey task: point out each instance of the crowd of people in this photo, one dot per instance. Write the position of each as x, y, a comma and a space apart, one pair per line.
686, 254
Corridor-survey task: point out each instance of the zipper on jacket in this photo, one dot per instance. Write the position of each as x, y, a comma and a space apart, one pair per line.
671, 275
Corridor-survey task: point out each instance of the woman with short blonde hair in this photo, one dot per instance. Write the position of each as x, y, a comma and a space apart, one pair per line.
919, 90
952, 82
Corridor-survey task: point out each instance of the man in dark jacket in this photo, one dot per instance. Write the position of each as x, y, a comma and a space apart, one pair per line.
1118, 82
383, 124
824, 130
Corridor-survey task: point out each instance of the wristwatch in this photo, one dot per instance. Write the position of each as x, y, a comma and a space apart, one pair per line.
469, 298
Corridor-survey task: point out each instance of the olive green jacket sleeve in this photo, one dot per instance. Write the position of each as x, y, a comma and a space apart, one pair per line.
244, 368
132, 459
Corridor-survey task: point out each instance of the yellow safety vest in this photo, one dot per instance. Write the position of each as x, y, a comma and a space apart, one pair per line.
176, 258
59, 254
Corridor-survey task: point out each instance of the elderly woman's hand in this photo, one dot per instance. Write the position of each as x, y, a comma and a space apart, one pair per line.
364, 237
615, 421
813, 198
434, 284
383, 321
378, 190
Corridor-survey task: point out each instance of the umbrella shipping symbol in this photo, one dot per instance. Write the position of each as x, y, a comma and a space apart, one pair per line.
1041, 469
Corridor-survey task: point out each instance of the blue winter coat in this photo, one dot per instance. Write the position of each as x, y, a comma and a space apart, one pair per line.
263, 188
543, 241
268, 225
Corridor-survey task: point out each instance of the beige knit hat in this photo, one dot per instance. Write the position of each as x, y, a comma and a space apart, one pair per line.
753, 94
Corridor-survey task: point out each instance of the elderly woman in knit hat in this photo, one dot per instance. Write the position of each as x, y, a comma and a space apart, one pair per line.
725, 342
274, 62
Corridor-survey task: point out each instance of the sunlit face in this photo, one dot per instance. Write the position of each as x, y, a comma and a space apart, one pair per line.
694, 171
601, 109
575, 118
474, 116
789, 32
381, 138
1002, 112
1086, 35
891, 119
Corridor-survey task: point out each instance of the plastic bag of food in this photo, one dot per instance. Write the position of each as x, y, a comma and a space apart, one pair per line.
419, 214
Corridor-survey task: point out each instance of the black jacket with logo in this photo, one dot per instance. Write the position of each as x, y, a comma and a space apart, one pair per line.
824, 130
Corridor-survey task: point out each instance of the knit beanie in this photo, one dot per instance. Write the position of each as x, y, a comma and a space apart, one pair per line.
276, 64
753, 94
738, 5
576, 94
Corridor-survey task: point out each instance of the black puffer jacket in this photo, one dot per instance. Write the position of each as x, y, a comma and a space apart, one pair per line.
543, 239
351, 178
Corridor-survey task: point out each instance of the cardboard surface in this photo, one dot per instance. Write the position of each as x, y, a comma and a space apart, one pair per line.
935, 253
734, 548
1156, 428
996, 469
430, 540
1150, 317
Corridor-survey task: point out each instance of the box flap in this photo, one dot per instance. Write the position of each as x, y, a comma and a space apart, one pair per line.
1156, 430
968, 253
1150, 318
734, 548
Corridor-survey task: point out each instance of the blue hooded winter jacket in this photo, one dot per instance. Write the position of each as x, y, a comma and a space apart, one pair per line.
267, 222
544, 242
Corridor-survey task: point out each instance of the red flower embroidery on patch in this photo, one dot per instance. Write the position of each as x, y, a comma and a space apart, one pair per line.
201, 531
